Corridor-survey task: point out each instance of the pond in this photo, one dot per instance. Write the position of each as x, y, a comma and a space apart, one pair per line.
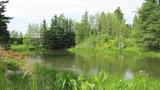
121, 64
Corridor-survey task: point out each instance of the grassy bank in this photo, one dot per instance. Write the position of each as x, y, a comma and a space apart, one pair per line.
27, 49
22, 76
102, 45
103, 52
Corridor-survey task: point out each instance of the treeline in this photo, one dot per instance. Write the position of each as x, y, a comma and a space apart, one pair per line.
16, 37
110, 25
109, 30
103, 30
58, 35
65, 33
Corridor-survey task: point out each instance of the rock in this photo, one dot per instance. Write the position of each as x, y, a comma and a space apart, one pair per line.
143, 73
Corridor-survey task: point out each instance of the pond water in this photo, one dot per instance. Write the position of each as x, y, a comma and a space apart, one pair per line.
126, 65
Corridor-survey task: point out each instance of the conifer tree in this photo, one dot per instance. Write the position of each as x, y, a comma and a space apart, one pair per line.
149, 25
119, 14
83, 29
60, 35
4, 33
43, 31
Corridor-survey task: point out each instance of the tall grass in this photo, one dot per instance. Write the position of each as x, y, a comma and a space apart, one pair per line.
26, 49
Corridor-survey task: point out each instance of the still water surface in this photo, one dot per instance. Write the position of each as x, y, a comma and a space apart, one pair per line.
126, 65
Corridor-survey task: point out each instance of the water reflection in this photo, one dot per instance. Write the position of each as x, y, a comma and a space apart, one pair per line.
92, 63
128, 75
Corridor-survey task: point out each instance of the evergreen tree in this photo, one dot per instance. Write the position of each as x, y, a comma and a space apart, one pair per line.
60, 34
43, 31
83, 29
93, 24
119, 14
135, 21
69, 35
4, 33
102, 24
149, 25
135, 34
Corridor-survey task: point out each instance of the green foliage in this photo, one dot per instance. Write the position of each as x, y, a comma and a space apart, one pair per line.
148, 25
144, 33
4, 33
106, 31
32, 37
21, 48
93, 41
119, 14
93, 24
112, 26
16, 41
14, 34
16, 37
43, 31
102, 23
27, 49
83, 29
60, 34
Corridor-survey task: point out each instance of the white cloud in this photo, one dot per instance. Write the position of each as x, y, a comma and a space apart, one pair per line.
26, 11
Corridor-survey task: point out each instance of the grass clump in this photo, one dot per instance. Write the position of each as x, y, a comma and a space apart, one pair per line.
26, 49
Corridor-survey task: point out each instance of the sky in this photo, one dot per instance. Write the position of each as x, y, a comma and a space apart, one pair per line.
34, 11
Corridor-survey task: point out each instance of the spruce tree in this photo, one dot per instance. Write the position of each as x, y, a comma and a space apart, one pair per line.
119, 14
60, 35
149, 25
43, 31
4, 33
